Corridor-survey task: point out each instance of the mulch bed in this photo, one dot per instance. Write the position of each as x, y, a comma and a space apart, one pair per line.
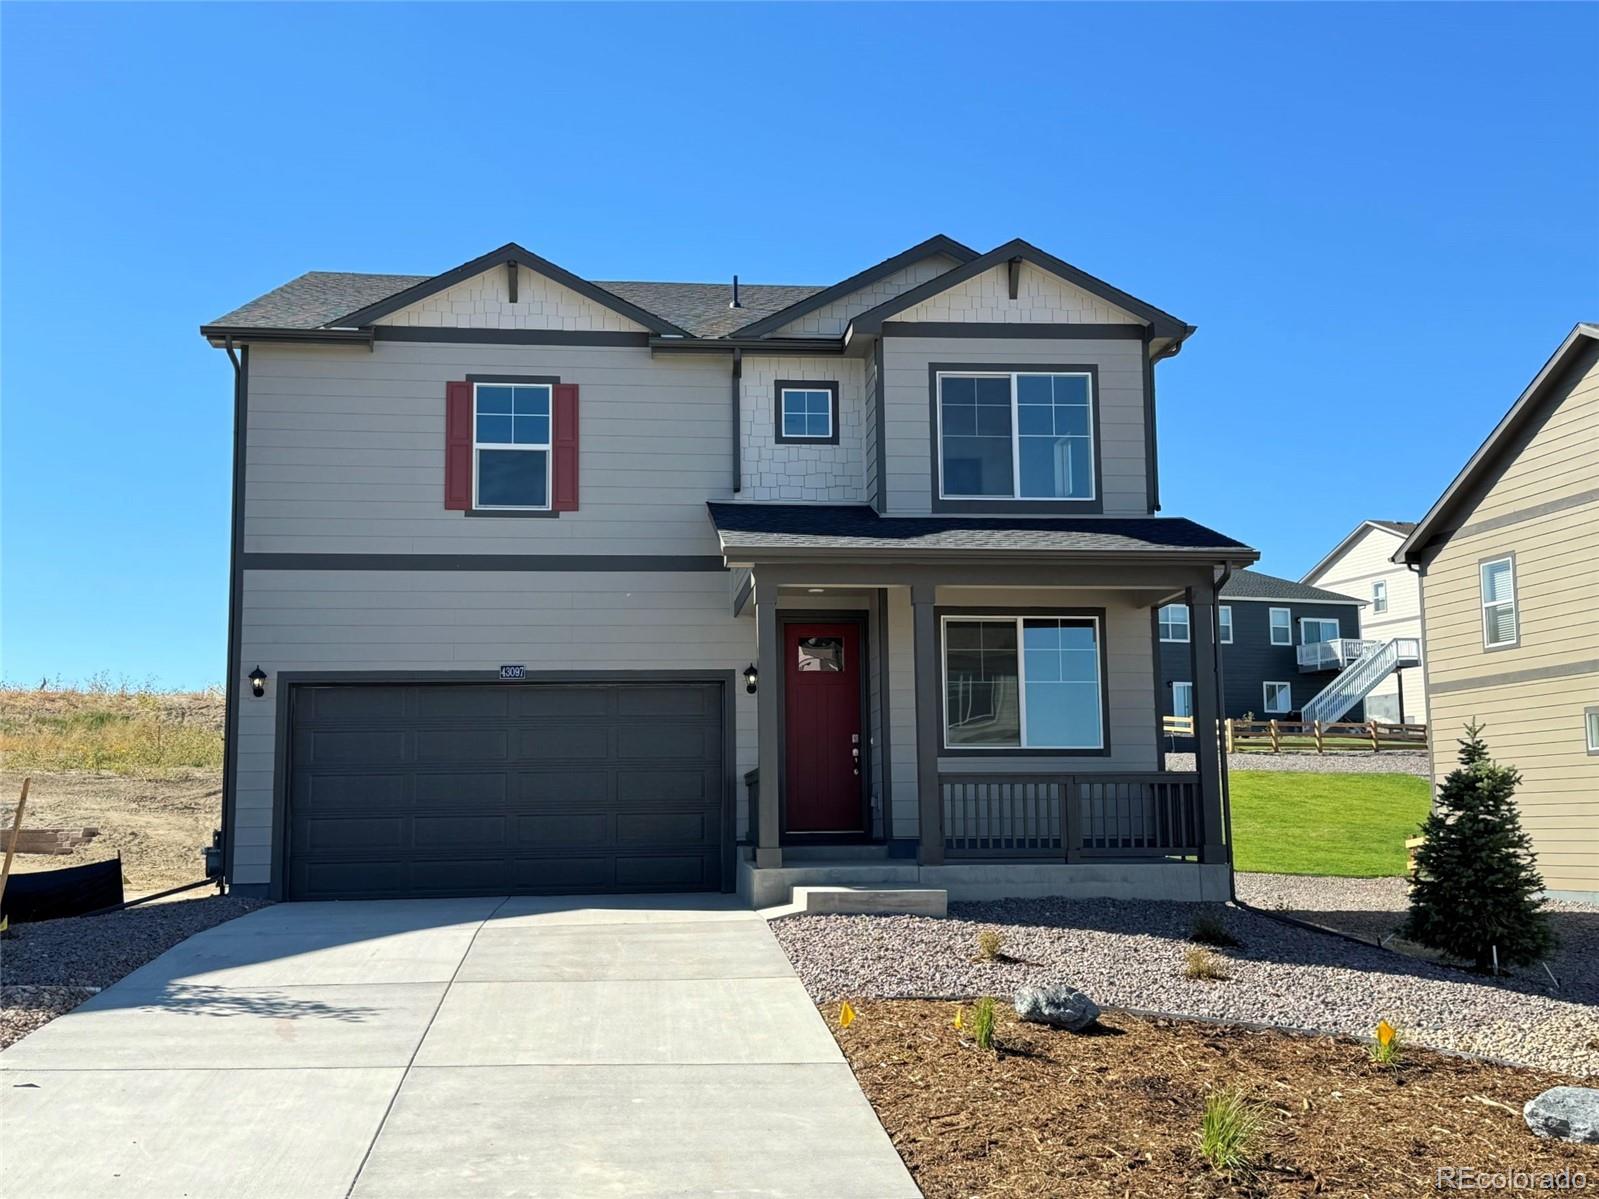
1117, 1112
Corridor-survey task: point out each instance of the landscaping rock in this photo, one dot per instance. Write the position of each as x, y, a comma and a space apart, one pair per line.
1061, 1007
1565, 1114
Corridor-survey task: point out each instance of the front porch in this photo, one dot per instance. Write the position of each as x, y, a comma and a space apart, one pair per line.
1008, 742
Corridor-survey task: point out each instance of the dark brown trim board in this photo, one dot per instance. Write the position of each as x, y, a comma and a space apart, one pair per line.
664, 563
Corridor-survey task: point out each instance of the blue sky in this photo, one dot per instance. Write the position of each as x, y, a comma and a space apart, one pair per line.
1381, 217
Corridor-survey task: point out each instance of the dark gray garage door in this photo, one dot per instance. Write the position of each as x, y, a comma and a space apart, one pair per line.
462, 789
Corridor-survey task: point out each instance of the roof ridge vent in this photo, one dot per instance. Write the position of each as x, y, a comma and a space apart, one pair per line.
733, 303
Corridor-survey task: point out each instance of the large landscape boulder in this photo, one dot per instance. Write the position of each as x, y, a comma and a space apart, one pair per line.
1059, 1007
1565, 1114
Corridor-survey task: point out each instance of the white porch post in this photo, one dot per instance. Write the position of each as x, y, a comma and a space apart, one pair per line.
929, 726
1207, 711
768, 850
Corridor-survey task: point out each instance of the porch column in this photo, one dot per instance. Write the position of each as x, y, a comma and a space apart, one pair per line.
929, 731
768, 661
1207, 710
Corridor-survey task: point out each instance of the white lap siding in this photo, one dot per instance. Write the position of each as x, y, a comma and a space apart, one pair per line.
421, 621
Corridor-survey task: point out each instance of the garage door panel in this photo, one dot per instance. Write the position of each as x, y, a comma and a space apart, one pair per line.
476, 789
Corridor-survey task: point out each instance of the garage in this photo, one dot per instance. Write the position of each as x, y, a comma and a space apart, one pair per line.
433, 789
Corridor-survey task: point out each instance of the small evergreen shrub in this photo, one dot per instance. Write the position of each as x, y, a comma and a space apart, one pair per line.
1476, 891
990, 945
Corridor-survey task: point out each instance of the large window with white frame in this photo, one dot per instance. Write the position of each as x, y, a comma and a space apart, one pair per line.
1173, 621
1182, 699
1016, 435
1499, 617
1316, 628
1281, 623
1224, 620
1277, 698
1022, 682
511, 445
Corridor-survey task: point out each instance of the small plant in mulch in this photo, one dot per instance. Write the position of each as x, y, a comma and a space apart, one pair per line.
1230, 1134
1384, 1051
1204, 965
1209, 930
990, 945
979, 1022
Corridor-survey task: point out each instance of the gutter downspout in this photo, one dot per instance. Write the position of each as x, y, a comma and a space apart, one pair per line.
738, 379
241, 366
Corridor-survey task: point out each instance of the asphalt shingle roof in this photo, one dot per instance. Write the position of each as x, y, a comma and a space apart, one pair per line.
858, 526
318, 297
1251, 584
1402, 527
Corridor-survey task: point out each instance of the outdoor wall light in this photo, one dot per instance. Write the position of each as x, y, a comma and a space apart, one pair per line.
751, 677
258, 682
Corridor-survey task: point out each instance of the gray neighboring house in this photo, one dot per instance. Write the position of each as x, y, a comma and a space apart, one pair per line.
542, 584
1263, 620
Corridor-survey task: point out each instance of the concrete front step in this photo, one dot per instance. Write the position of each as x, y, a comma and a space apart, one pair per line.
913, 901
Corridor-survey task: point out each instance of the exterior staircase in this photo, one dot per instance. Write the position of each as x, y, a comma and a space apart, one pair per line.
1361, 666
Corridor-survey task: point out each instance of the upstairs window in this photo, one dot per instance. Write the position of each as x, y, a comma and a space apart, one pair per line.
1499, 627
1313, 629
807, 412
1174, 622
1379, 596
1282, 626
511, 445
1017, 435
1224, 618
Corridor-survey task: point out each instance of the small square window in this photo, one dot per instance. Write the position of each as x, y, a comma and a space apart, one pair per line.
820, 655
1278, 697
1174, 622
807, 412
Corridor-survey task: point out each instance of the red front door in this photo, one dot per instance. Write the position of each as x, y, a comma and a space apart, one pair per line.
823, 740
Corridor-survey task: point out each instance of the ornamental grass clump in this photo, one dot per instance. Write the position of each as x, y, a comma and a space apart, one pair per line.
1209, 930
1206, 966
979, 1022
990, 945
1229, 1136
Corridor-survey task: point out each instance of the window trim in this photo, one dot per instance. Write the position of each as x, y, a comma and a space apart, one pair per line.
779, 386
1013, 505
1590, 730
1515, 601
1332, 620
1176, 683
1224, 628
944, 614
548, 446
1188, 625
1379, 599
1271, 626
1265, 697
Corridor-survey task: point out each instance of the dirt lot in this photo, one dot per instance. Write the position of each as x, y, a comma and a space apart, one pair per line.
1118, 1113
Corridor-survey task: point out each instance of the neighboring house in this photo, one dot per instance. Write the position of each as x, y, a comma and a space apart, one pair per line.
1362, 565
541, 584
1509, 566
1263, 621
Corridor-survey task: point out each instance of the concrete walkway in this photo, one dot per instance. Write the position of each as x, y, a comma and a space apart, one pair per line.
430, 1049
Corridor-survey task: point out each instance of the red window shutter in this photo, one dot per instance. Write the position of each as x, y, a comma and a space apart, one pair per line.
564, 446
458, 445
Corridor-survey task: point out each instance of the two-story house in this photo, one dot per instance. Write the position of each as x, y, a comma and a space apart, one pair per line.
1508, 560
542, 584
1361, 565
1262, 621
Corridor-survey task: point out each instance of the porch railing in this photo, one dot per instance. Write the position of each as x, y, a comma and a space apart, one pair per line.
1071, 817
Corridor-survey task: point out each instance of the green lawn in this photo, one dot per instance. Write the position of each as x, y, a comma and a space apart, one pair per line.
1347, 824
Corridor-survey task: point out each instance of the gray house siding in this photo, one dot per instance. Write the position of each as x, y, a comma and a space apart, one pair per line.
1252, 659
907, 419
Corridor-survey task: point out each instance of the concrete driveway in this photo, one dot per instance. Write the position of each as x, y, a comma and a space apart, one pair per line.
611, 1046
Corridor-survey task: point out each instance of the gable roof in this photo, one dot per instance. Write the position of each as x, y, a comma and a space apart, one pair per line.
1583, 338
935, 245
510, 252
702, 308
1252, 584
315, 299
1397, 527
1161, 323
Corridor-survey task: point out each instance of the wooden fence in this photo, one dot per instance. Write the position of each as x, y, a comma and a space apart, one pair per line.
1275, 736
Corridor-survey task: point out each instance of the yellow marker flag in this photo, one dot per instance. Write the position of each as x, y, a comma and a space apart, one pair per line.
958, 1023
846, 1014
1385, 1033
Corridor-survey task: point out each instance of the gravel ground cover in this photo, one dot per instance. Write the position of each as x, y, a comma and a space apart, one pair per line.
49, 967
1131, 955
1398, 761
1116, 1115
